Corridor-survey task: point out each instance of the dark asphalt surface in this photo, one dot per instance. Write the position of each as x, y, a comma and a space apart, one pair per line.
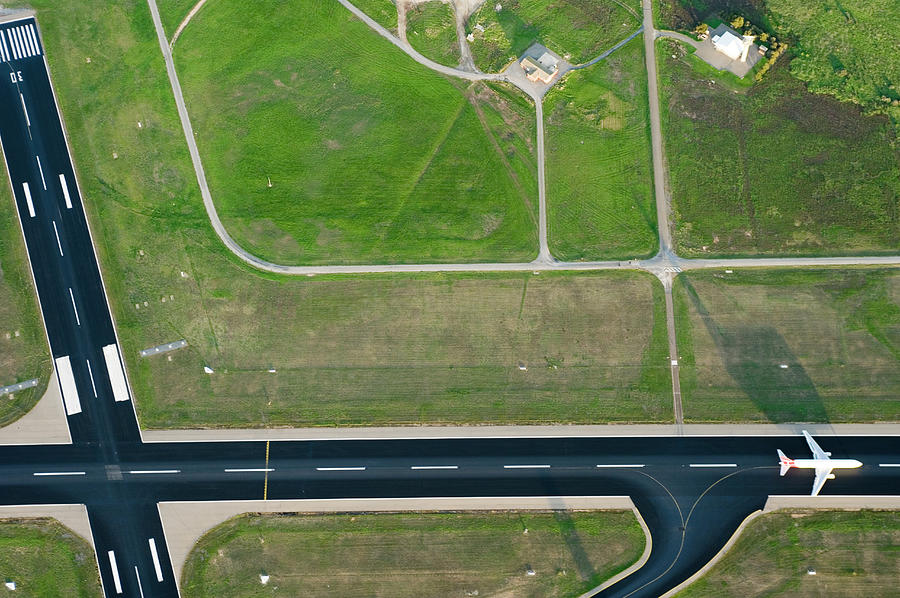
691, 512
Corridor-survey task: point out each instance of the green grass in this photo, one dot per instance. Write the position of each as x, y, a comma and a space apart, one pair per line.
599, 174
838, 331
172, 12
24, 353
384, 12
406, 555
372, 157
853, 554
395, 349
775, 170
684, 15
46, 560
431, 29
577, 28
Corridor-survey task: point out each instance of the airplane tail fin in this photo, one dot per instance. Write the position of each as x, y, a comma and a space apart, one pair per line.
786, 463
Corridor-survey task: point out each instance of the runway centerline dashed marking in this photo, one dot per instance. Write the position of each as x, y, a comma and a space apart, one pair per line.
75, 309
91, 374
250, 470
418, 467
58, 244
38, 474
526, 467
713, 464
138, 577
25, 110
152, 471
340, 468
620, 465
889, 465
41, 170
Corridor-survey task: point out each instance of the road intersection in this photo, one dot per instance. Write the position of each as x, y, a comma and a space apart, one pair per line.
691, 491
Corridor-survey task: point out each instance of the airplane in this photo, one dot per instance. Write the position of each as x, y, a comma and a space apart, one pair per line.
821, 462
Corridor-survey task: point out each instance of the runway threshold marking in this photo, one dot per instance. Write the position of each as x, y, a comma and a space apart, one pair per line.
417, 467
4, 50
65, 190
152, 471
67, 383
340, 468
58, 244
28, 199
620, 465
155, 555
41, 170
116, 372
526, 467
713, 464
115, 571
75, 309
57, 473
250, 470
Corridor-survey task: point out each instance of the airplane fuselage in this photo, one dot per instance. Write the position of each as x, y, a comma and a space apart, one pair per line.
825, 463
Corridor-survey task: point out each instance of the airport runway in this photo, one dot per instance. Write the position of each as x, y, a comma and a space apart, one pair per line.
691, 491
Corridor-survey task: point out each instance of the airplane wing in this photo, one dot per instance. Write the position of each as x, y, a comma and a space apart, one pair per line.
817, 451
821, 476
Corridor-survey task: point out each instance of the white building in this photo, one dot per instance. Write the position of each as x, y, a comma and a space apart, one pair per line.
730, 44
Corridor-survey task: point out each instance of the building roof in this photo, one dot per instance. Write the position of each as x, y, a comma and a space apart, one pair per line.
729, 44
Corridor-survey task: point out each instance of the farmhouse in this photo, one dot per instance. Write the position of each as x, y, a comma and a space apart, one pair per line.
727, 41
539, 64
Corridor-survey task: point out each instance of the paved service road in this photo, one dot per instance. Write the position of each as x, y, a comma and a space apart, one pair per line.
691, 491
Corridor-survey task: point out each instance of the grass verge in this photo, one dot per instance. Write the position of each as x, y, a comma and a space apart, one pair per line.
775, 169
837, 331
414, 554
172, 12
383, 12
571, 28
852, 553
46, 559
600, 201
372, 157
431, 29
24, 353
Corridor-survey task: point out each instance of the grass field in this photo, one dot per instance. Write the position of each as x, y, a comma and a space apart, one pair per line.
573, 28
406, 555
383, 12
838, 331
431, 29
775, 169
172, 12
600, 201
372, 157
46, 560
853, 554
24, 353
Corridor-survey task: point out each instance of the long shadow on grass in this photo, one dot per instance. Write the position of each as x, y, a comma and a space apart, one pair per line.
753, 355
583, 565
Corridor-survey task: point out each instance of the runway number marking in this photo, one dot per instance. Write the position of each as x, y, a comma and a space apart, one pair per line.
28, 199
159, 575
65, 190
115, 571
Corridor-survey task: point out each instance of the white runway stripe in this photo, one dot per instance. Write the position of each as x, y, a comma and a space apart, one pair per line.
67, 383
20, 51
115, 571
116, 372
155, 555
37, 44
4, 49
12, 44
32, 47
65, 189
28, 199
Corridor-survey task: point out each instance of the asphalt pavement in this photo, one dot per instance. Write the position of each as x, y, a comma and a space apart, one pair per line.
691, 491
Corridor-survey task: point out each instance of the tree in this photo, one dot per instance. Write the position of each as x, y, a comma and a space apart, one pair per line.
738, 22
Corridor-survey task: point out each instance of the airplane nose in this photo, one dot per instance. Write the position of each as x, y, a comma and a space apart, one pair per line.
857, 463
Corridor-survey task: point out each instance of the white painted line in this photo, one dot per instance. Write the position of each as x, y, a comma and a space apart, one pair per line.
20, 43
28, 199
152, 471
54, 473
414, 467
889, 465
72, 297
67, 382
91, 374
13, 44
65, 188
340, 468
116, 372
26, 47
31, 45
138, 576
713, 464
617, 465
4, 51
526, 467
248, 470
115, 571
40, 168
25, 109
37, 46
155, 556
58, 244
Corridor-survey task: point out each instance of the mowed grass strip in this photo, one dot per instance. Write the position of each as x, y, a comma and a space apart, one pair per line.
414, 555
575, 29
852, 553
45, 559
24, 353
395, 349
837, 331
173, 12
372, 157
431, 29
600, 202
774, 169
383, 12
